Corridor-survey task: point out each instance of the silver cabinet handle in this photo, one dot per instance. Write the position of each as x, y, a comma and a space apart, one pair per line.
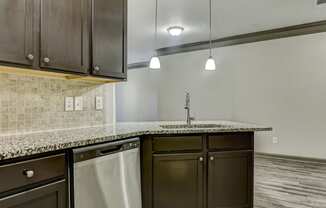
211, 158
201, 159
30, 57
97, 68
46, 60
29, 173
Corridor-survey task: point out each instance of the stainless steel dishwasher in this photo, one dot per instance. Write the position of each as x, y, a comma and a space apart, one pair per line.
107, 176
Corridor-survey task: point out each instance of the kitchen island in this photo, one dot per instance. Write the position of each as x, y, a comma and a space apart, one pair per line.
180, 166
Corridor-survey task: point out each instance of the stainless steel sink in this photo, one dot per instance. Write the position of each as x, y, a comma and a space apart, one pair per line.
193, 126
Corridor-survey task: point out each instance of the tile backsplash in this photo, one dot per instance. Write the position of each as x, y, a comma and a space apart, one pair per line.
29, 104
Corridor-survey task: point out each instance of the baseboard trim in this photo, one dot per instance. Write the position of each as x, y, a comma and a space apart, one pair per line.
290, 157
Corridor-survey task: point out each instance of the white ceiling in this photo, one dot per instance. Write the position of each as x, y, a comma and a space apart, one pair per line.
229, 18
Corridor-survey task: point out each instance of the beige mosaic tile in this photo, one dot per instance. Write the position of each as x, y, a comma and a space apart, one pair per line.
29, 104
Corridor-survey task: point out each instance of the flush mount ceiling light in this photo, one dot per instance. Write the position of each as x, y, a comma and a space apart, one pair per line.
155, 61
175, 30
210, 63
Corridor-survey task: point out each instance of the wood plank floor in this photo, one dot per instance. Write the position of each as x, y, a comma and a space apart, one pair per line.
282, 182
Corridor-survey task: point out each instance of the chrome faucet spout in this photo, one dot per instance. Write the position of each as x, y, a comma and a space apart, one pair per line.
187, 108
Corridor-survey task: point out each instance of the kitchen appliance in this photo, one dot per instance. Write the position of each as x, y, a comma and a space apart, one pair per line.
107, 175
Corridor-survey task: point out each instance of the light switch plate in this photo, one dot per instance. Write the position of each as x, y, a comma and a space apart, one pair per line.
78, 103
69, 104
275, 140
99, 103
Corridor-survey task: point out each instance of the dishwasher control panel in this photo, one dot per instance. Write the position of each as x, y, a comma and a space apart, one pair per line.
131, 145
100, 150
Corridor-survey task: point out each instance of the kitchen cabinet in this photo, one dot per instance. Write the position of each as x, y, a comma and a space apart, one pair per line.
17, 34
171, 176
230, 179
198, 170
50, 196
78, 38
64, 35
109, 41
35, 183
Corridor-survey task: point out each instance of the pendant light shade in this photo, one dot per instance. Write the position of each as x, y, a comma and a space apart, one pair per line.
155, 63
210, 63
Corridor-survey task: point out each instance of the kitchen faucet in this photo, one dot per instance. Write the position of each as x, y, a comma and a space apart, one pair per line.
187, 108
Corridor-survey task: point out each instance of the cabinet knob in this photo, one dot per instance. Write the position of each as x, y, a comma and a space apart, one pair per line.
211, 158
46, 60
201, 159
97, 68
30, 57
28, 173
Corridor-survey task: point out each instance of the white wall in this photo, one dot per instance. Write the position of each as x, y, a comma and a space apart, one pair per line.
137, 99
211, 92
281, 83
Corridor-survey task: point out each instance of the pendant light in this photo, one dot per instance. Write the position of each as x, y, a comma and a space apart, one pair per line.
210, 63
155, 61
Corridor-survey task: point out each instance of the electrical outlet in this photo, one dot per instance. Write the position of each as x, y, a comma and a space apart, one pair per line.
99, 103
78, 103
275, 140
69, 104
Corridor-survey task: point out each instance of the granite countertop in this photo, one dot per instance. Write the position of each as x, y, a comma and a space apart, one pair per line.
19, 145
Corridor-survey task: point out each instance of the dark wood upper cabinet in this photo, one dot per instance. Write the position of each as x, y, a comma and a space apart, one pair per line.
178, 180
109, 40
49, 196
16, 33
230, 179
80, 37
64, 35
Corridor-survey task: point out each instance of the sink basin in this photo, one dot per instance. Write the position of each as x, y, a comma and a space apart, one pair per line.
193, 126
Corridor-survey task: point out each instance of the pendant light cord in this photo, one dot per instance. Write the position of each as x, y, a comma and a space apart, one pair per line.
210, 27
156, 15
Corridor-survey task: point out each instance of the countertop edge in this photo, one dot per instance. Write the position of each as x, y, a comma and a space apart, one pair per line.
25, 152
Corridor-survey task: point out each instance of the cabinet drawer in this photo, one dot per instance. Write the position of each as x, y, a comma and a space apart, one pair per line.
178, 143
230, 141
15, 175
52, 195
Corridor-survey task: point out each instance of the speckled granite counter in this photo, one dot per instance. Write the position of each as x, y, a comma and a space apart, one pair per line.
13, 146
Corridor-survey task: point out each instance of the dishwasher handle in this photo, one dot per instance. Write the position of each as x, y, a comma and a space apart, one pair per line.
109, 150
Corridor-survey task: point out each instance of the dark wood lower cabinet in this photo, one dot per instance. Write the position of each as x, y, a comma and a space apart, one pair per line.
49, 196
230, 179
178, 180
216, 172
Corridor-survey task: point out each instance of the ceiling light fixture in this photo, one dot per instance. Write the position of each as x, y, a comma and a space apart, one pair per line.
210, 63
155, 61
175, 30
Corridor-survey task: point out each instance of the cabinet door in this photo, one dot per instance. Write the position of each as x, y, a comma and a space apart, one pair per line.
178, 181
16, 33
64, 36
109, 38
230, 179
49, 196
